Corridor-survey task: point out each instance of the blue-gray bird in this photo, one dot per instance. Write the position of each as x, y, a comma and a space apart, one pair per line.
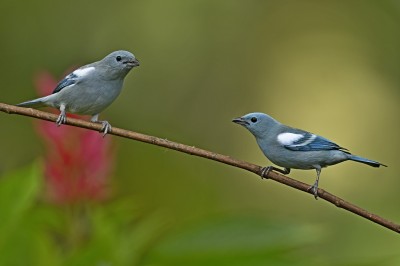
89, 89
295, 148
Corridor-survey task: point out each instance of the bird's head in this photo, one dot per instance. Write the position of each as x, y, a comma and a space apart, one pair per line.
121, 60
257, 123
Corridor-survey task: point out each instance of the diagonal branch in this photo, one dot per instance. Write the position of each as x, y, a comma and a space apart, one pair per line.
338, 202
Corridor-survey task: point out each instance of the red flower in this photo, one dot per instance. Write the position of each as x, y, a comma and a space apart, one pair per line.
78, 161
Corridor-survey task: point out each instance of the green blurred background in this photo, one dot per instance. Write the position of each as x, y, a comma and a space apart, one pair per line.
330, 67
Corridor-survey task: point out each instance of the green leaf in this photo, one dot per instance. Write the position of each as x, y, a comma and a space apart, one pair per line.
18, 193
118, 235
232, 241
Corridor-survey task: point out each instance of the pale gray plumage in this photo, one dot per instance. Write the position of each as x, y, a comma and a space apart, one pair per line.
89, 89
294, 148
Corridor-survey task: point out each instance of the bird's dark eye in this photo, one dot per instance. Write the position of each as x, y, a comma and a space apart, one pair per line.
253, 119
119, 58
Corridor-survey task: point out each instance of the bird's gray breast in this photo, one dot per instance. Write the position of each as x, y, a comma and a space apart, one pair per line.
90, 97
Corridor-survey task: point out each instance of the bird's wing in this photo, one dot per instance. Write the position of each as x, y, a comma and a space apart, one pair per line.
305, 141
73, 78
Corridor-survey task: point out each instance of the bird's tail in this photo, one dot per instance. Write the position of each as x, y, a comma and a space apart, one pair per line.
365, 161
37, 103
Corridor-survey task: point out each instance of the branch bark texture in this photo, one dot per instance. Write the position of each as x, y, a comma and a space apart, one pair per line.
256, 169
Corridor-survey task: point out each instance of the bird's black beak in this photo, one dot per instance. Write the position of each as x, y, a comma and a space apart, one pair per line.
133, 63
240, 121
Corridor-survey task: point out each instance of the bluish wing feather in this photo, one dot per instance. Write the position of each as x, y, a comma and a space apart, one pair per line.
67, 81
311, 142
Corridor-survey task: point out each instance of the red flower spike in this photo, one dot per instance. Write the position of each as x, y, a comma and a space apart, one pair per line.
78, 162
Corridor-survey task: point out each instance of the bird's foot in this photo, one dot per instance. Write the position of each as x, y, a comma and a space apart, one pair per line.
314, 190
62, 118
106, 127
265, 171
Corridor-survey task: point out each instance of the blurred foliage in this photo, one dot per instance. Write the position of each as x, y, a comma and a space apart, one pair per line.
330, 67
79, 235
233, 241
117, 234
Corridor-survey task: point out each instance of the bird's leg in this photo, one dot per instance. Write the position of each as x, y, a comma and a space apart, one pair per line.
106, 127
265, 171
314, 188
62, 118
94, 118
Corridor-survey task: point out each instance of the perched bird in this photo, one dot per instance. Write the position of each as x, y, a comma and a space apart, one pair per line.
295, 148
89, 89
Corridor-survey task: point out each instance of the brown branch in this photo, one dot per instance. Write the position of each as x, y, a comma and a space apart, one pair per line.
10, 109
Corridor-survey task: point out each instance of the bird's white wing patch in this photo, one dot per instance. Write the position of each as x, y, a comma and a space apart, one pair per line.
81, 72
289, 138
